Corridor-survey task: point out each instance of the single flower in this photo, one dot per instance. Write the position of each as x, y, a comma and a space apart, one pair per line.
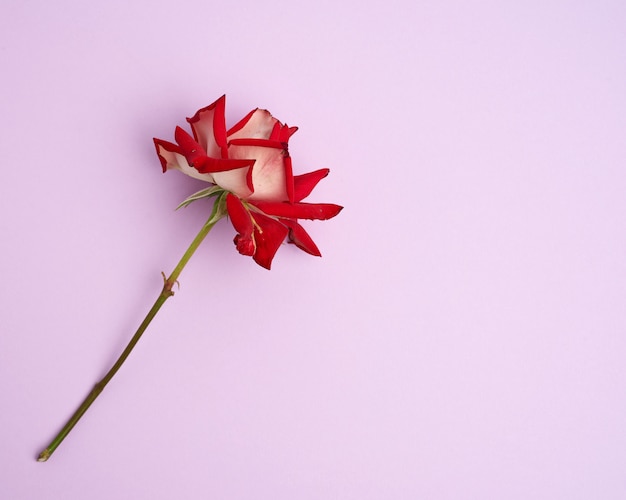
249, 169
251, 162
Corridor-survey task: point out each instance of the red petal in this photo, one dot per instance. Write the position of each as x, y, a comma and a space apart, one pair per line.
209, 128
287, 132
239, 216
206, 165
317, 211
191, 149
282, 133
305, 183
301, 238
269, 235
245, 246
265, 143
289, 180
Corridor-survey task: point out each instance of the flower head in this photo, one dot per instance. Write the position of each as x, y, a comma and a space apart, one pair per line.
250, 164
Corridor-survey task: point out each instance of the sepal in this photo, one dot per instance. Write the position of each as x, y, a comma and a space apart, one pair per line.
204, 193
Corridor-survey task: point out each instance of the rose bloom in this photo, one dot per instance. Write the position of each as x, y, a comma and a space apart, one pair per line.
251, 163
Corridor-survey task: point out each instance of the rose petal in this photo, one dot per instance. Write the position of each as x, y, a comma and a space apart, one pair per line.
171, 157
269, 172
252, 141
305, 183
234, 181
206, 165
209, 128
301, 238
239, 216
289, 179
188, 145
282, 133
269, 235
317, 211
203, 163
258, 124
168, 154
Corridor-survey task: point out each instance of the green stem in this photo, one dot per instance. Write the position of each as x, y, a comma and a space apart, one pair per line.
166, 293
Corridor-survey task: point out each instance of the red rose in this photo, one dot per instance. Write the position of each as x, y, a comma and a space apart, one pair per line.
251, 162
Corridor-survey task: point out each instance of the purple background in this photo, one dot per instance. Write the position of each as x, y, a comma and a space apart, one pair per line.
464, 335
